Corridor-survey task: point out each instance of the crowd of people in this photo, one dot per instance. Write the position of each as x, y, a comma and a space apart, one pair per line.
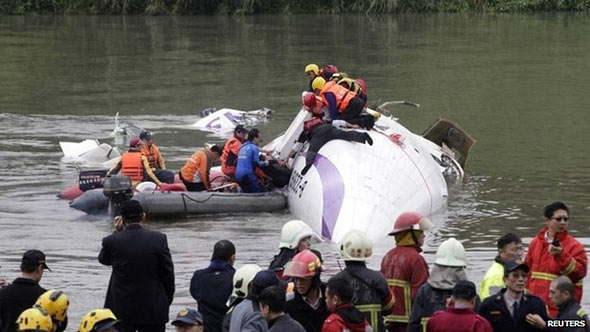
290, 295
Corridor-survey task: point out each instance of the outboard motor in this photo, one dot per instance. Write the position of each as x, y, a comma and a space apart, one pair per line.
118, 189
91, 178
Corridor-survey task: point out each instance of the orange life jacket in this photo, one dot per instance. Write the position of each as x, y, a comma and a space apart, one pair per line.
152, 153
132, 166
343, 95
197, 168
229, 156
312, 123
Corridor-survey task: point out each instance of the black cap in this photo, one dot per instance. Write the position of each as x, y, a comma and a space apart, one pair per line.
34, 258
131, 209
267, 278
464, 289
515, 264
145, 135
240, 129
188, 316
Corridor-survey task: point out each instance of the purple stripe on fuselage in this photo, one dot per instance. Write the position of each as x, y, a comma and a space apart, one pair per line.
333, 193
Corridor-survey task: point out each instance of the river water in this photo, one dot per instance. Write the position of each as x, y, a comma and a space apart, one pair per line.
517, 83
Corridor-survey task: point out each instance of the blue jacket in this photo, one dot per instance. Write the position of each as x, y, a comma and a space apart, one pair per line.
248, 159
211, 287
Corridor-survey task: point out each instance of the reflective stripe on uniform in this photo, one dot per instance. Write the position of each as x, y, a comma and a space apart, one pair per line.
373, 310
571, 266
424, 323
407, 301
390, 304
551, 277
544, 276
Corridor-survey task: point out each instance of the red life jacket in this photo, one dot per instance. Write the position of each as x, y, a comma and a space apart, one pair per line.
132, 165
312, 123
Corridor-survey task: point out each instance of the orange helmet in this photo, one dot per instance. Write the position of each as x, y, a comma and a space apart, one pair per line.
410, 221
305, 264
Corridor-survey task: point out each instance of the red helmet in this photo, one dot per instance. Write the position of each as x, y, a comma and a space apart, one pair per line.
133, 142
410, 221
363, 85
309, 101
305, 264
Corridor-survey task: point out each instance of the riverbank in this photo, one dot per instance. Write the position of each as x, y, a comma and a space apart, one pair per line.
231, 7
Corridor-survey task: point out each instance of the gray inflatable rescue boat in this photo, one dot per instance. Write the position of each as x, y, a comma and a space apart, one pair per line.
170, 203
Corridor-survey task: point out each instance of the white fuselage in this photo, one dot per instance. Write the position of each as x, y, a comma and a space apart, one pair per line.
357, 186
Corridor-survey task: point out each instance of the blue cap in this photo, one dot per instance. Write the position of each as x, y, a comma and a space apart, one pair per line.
188, 316
515, 264
267, 278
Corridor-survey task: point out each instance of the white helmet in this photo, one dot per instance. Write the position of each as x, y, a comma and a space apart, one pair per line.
295, 230
451, 253
356, 246
242, 278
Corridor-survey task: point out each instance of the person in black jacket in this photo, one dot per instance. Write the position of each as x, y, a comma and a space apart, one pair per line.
508, 309
212, 286
141, 287
272, 308
24, 291
306, 303
561, 294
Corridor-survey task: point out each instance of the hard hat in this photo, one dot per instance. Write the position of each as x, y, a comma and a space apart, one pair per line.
411, 221
304, 264
55, 303
34, 319
356, 246
312, 67
451, 253
146, 135
293, 231
362, 84
242, 278
338, 76
309, 100
318, 83
328, 70
97, 320
134, 141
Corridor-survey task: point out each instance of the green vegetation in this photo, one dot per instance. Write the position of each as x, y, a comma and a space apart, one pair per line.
230, 7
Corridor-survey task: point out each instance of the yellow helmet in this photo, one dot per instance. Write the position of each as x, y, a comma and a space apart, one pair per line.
55, 303
318, 83
34, 319
103, 317
312, 67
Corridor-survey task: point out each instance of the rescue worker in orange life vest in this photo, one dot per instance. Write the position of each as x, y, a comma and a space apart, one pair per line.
319, 133
154, 157
345, 104
312, 71
229, 156
195, 172
134, 165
